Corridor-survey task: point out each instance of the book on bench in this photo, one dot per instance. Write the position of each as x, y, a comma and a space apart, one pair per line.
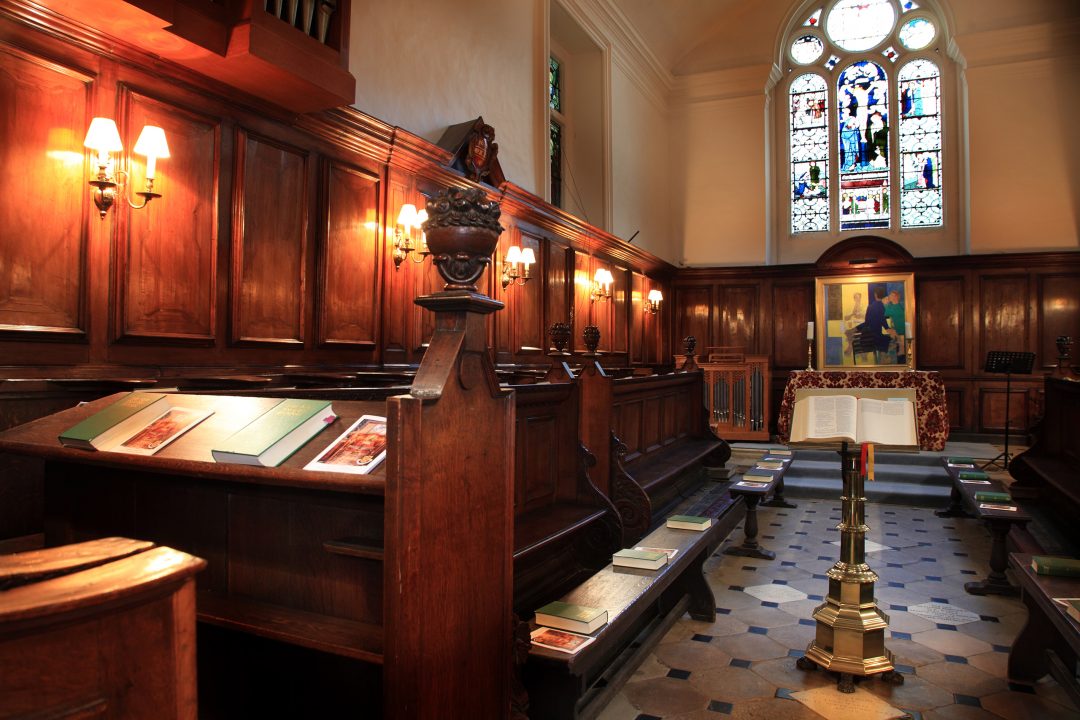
972, 475
644, 559
118, 421
827, 419
770, 464
575, 618
689, 522
992, 496
1052, 565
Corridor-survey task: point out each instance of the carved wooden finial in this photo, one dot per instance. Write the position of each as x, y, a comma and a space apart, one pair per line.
591, 336
462, 231
690, 363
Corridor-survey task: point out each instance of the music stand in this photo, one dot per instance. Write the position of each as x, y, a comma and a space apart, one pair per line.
1011, 363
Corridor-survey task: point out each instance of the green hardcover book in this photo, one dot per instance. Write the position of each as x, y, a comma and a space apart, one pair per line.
276, 434
644, 559
575, 618
116, 422
956, 460
770, 464
993, 497
689, 522
1052, 565
786, 453
973, 475
758, 475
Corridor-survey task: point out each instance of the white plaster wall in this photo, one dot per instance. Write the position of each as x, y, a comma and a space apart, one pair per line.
425, 65
718, 174
641, 189
1025, 185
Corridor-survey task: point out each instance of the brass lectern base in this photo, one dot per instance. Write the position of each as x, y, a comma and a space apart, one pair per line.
845, 683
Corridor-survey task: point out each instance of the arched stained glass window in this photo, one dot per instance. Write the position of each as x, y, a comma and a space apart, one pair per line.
809, 132
862, 101
920, 144
869, 63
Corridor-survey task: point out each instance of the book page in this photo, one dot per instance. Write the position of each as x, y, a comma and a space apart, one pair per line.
824, 418
887, 422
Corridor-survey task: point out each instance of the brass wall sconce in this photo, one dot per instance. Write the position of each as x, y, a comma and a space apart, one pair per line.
517, 265
407, 219
104, 139
652, 301
601, 286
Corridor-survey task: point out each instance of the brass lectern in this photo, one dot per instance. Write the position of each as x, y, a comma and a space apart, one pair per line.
850, 636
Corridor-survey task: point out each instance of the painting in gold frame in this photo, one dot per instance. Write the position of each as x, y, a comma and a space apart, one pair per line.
865, 322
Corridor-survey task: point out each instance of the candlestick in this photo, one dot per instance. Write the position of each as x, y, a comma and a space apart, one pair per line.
809, 354
911, 353
810, 330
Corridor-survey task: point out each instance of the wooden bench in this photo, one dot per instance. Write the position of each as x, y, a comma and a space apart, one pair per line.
753, 492
999, 522
104, 628
641, 605
1050, 641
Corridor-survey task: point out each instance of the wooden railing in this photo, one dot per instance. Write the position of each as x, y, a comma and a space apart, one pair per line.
737, 393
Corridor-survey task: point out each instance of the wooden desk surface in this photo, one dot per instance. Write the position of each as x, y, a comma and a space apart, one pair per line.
190, 454
1042, 589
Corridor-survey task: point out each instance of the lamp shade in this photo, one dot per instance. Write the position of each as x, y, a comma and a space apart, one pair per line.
421, 216
103, 136
407, 216
655, 296
151, 143
513, 255
527, 256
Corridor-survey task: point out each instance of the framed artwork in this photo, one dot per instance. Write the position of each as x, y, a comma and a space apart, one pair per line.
865, 322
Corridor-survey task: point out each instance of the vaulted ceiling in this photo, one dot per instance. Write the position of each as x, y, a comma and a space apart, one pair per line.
696, 36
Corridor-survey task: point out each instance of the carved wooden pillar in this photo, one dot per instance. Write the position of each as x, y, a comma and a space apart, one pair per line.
449, 491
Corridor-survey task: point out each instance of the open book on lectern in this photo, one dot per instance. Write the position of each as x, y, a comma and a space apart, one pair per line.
829, 419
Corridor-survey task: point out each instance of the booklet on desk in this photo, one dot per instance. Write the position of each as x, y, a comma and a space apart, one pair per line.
823, 419
276, 434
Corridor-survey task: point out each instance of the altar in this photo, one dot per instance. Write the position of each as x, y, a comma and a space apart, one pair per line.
931, 412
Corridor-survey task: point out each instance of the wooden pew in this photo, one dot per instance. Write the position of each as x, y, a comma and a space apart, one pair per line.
384, 594
104, 628
1047, 471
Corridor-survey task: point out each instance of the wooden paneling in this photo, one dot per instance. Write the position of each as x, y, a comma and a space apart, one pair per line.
693, 308
270, 242
166, 253
954, 400
1003, 300
583, 312
620, 311
520, 334
397, 293
350, 255
792, 308
559, 292
738, 316
638, 318
1059, 314
992, 401
939, 342
45, 207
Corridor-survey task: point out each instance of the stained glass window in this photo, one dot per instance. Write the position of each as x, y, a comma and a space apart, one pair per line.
917, 33
862, 102
555, 150
909, 6
555, 84
857, 25
814, 19
807, 49
809, 154
920, 144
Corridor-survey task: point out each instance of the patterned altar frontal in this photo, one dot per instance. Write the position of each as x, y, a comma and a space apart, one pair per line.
931, 412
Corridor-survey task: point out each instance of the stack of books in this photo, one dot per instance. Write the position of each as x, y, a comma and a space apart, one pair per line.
689, 522
565, 627
643, 558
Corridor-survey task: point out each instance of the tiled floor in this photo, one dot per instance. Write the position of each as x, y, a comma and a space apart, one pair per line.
951, 647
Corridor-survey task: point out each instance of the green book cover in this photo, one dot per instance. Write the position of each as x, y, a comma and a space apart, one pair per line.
567, 611
97, 425
646, 555
973, 475
276, 434
993, 497
1052, 565
960, 460
758, 476
691, 519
